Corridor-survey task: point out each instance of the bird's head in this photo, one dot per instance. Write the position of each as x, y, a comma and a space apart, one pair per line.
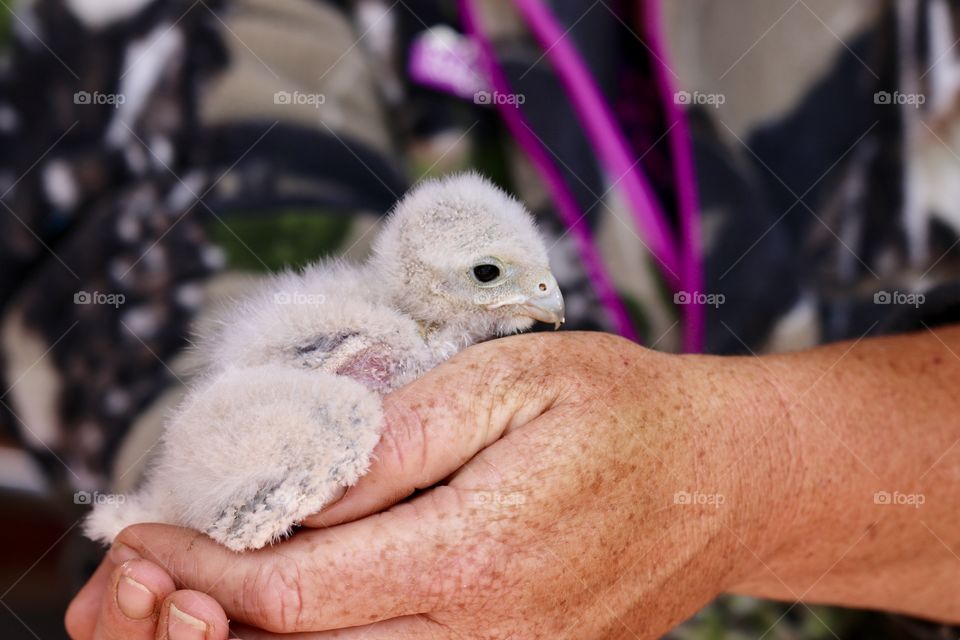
460, 253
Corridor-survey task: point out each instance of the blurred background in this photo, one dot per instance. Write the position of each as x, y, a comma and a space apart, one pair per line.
159, 157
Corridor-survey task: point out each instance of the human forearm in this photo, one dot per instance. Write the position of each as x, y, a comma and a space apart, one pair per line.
875, 426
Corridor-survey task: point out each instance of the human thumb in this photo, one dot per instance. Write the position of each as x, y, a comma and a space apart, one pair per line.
437, 423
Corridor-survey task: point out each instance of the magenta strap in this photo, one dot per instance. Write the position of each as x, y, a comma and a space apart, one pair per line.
685, 178
682, 268
566, 204
602, 130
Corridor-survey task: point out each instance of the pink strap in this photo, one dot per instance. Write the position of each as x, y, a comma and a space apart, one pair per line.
685, 177
603, 131
567, 207
682, 268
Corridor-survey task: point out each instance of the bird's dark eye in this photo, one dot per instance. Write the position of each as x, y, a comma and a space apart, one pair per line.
486, 272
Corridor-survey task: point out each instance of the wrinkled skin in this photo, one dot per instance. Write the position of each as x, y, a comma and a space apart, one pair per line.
588, 488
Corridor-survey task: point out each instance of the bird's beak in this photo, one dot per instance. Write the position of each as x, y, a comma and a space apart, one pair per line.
546, 302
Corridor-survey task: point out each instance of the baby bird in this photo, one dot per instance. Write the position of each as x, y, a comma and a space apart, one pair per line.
289, 411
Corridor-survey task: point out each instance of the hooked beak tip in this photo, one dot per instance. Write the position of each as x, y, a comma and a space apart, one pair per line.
547, 308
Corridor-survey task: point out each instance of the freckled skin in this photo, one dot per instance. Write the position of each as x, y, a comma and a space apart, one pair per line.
565, 522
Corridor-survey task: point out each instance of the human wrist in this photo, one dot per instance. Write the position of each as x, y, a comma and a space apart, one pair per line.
828, 503
750, 454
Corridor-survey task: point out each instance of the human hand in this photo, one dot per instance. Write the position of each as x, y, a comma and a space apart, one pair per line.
129, 598
600, 498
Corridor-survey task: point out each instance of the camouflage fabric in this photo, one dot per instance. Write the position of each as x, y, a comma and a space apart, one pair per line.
163, 154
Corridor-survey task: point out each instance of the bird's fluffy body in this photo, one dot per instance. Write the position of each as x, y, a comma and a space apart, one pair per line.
327, 318
288, 409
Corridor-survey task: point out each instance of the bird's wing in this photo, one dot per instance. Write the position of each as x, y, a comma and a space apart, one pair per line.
368, 359
327, 319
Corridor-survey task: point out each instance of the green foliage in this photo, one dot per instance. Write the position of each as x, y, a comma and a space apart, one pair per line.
638, 318
279, 239
743, 618
6, 27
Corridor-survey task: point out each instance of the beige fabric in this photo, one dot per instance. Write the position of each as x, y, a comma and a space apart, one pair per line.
762, 55
296, 46
35, 383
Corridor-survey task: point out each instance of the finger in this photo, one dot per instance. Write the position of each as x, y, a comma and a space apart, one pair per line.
81, 617
437, 423
413, 627
130, 606
405, 561
191, 615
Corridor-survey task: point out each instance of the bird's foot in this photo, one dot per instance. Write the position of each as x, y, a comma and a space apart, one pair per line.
272, 511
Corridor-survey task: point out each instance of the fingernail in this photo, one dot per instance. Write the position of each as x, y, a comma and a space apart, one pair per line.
335, 497
120, 553
134, 599
183, 626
